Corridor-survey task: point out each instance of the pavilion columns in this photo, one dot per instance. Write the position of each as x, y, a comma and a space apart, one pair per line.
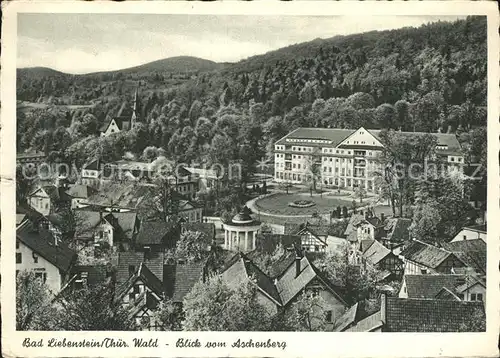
226, 243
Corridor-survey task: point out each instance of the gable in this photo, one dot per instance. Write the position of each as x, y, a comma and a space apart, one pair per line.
39, 193
361, 137
309, 238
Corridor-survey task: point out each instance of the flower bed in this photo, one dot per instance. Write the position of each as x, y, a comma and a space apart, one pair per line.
301, 204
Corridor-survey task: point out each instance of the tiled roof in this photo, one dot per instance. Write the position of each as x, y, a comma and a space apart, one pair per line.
375, 221
96, 274
81, 191
126, 259
367, 324
122, 195
481, 228
20, 218
354, 220
335, 136
186, 276
424, 315
446, 294
94, 164
123, 222
427, 286
375, 252
145, 275
269, 242
347, 320
208, 229
241, 269
397, 229
425, 254
44, 245
472, 252
153, 232
56, 194
86, 220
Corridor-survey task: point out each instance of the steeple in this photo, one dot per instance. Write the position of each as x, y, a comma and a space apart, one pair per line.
133, 119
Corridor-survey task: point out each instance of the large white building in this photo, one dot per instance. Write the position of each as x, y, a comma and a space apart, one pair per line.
347, 157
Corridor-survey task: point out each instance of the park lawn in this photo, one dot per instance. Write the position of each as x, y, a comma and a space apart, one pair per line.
277, 204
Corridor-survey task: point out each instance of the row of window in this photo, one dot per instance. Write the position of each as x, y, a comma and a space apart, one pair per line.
19, 257
308, 140
302, 149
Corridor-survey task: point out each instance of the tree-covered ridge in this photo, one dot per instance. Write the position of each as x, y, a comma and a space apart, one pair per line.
431, 78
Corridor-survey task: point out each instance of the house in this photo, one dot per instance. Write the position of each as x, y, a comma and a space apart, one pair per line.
205, 178
122, 197
380, 257
471, 233
97, 227
461, 287
207, 229
422, 258
46, 255
268, 242
80, 194
89, 276
188, 211
92, 172
313, 237
141, 294
49, 199
156, 236
126, 119
279, 293
471, 252
372, 323
241, 269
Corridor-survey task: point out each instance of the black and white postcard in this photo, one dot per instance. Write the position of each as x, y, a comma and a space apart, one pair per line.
238, 179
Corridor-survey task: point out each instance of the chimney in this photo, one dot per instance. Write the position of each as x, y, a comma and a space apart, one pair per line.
366, 214
297, 265
382, 217
382, 308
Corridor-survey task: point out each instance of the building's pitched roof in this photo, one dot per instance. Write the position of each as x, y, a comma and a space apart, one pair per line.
122, 195
94, 164
20, 218
427, 286
367, 324
424, 315
471, 252
397, 229
270, 242
207, 229
289, 285
446, 294
96, 274
44, 245
375, 252
144, 274
347, 320
123, 222
86, 221
241, 269
56, 194
335, 136
186, 276
374, 221
81, 191
153, 232
425, 254
481, 228
354, 220
126, 259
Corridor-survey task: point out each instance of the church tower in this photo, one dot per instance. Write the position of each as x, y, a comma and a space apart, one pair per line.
135, 117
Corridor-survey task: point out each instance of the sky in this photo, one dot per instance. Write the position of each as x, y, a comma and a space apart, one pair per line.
83, 43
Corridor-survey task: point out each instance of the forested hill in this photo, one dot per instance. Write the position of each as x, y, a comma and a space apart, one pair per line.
431, 78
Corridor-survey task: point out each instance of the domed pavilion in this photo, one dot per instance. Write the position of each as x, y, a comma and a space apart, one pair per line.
240, 234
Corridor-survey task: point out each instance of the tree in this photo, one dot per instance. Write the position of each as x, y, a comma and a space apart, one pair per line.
307, 313
357, 281
93, 309
168, 316
214, 306
191, 246
360, 193
34, 309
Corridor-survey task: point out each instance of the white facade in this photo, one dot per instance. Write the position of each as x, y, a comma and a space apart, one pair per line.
348, 163
470, 234
40, 201
27, 259
112, 129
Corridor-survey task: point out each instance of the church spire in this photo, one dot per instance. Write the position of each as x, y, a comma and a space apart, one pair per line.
133, 120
